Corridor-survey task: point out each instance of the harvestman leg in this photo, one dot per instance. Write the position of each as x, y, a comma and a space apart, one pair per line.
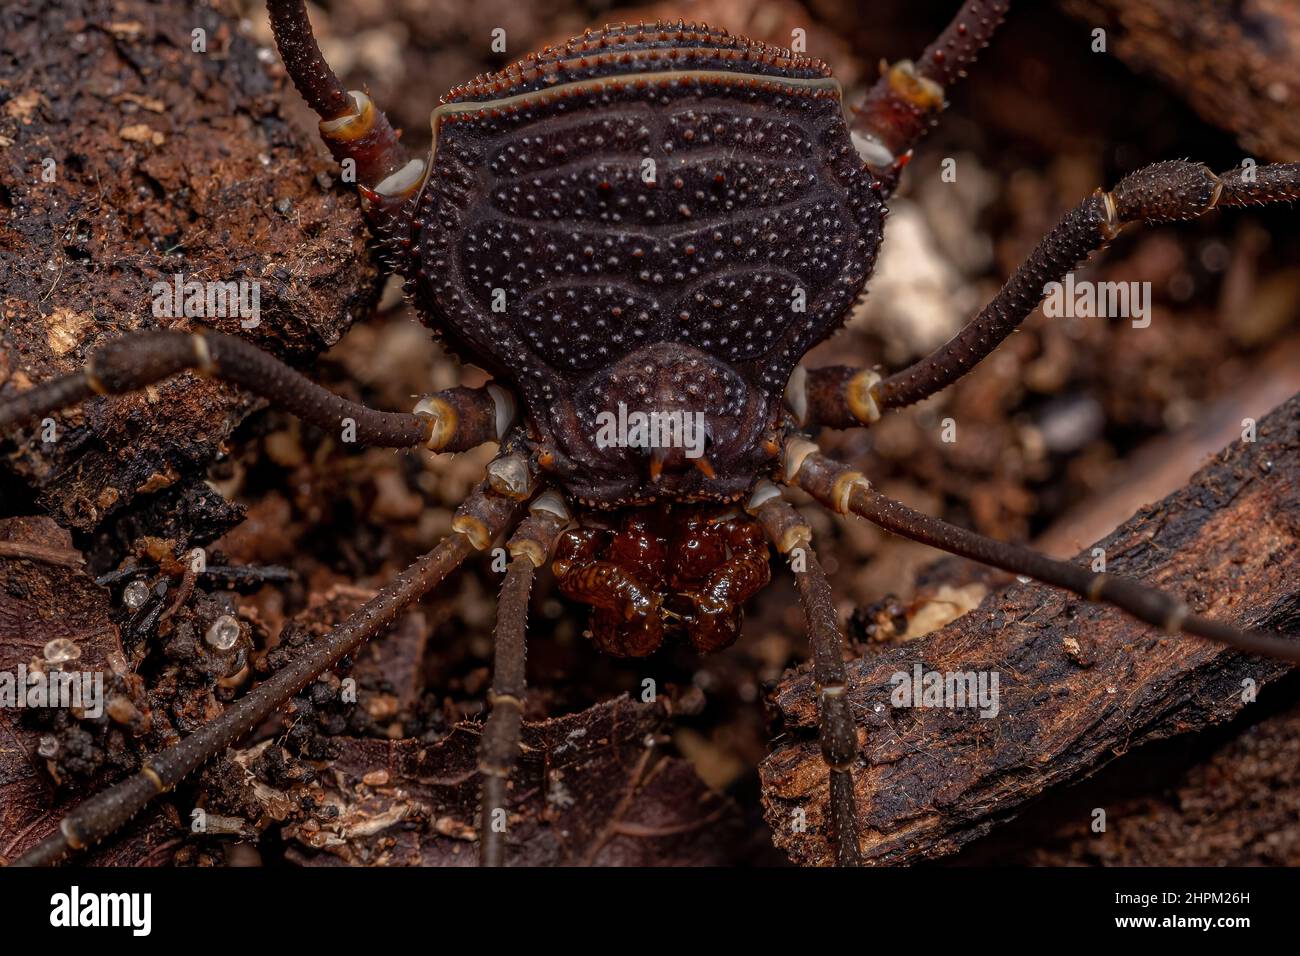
454, 420
483, 516
791, 535
843, 490
530, 547
908, 98
841, 397
350, 124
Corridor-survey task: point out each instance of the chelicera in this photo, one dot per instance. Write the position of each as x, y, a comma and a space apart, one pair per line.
653, 222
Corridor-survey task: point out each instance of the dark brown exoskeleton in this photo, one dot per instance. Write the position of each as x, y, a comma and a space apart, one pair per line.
647, 228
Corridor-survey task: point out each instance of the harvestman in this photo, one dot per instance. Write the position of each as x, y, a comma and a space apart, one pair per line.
627, 218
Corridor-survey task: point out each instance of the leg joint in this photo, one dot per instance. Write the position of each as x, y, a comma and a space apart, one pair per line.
150, 774
203, 363
860, 393
69, 830
1166, 191
92, 377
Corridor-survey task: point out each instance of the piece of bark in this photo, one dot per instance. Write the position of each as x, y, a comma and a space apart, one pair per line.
1227, 797
1078, 683
127, 158
1236, 64
41, 601
394, 666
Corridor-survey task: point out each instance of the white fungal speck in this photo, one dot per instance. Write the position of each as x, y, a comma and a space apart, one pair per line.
224, 633
61, 650
135, 594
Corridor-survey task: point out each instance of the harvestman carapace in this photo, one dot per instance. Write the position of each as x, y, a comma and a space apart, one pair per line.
626, 220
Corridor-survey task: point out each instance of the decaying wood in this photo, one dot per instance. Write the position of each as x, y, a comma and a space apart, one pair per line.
596, 788
1236, 803
127, 158
42, 601
600, 787
1078, 684
1237, 64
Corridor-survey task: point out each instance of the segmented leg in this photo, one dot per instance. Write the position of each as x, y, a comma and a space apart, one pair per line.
844, 490
908, 98
350, 124
455, 420
840, 397
530, 546
838, 731
483, 515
